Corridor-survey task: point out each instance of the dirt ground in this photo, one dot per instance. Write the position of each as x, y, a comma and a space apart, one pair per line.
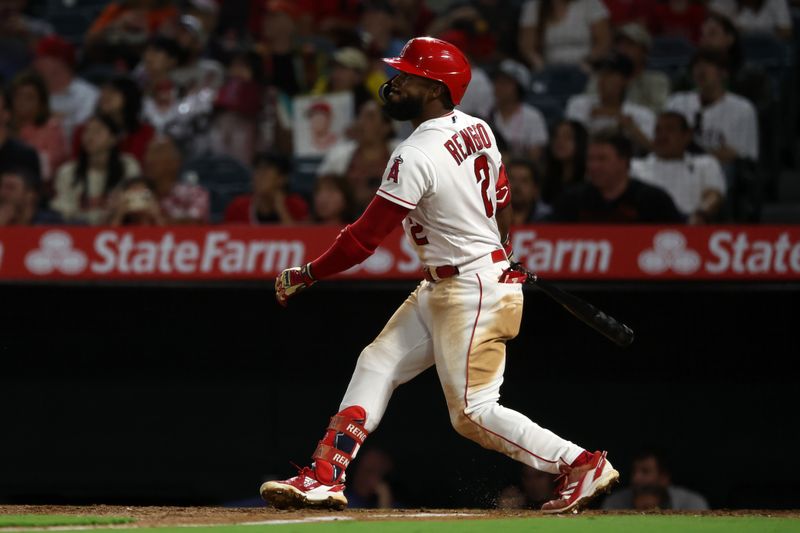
163, 516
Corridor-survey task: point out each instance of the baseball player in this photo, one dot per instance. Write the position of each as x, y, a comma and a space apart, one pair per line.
444, 184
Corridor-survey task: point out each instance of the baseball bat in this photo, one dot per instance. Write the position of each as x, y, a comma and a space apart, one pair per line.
608, 326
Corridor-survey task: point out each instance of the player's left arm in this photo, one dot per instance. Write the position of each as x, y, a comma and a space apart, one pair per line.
354, 244
408, 177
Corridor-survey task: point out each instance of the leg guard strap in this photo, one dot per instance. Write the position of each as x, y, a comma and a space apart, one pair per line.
332, 455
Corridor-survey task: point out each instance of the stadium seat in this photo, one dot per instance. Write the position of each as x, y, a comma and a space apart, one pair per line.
223, 176
559, 82
780, 214
670, 55
304, 173
551, 108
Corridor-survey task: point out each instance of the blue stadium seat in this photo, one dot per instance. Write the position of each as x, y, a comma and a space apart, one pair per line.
559, 82
670, 55
551, 108
223, 176
304, 173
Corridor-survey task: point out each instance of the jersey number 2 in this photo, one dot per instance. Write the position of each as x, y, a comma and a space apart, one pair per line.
482, 175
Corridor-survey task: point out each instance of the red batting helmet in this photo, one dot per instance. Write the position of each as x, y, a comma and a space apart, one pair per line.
436, 60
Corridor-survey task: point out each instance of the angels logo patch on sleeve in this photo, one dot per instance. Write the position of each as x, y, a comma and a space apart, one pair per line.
394, 172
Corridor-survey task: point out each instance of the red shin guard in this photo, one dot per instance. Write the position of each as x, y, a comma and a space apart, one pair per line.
339, 446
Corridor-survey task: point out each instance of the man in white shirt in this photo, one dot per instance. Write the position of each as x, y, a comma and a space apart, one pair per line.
71, 98
695, 182
772, 16
609, 108
725, 124
521, 125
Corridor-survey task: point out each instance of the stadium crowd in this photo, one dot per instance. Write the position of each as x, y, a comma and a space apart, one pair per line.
190, 111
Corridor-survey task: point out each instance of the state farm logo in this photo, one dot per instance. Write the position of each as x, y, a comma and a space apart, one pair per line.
55, 254
669, 252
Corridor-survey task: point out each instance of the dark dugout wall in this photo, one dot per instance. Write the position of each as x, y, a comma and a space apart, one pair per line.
187, 395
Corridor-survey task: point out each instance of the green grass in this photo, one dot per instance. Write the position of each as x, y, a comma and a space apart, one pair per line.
568, 524
46, 520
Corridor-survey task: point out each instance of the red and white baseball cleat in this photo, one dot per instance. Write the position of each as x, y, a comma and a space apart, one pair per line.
582, 484
303, 490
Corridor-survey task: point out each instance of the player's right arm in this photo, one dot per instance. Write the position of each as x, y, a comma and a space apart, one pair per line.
504, 213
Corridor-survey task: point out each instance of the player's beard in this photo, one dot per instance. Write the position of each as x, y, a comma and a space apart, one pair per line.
406, 109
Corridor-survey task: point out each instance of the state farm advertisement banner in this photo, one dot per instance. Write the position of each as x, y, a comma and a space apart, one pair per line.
253, 253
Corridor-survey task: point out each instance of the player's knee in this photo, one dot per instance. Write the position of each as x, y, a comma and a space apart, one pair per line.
462, 423
373, 358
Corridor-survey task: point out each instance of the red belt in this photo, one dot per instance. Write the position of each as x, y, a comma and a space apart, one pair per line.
448, 271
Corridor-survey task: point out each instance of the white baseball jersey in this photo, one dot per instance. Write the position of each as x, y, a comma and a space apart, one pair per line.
446, 173
731, 120
685, 179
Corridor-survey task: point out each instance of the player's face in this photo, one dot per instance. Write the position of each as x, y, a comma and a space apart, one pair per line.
406, 96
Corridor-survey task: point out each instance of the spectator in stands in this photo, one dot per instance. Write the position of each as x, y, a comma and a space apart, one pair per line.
82, 186
19, 200
234, 127
368, 487
478, 100
565, 159
270, 202
18, 35
610, 108
725, 124
757, 16
333, 201
695, 182
292, 69
138, 17
160, 59
718, 33
521, 125
34, 124
490, 24
196, 72
377, 30
134, 203
121, 100
678, 18
563, 31
363, 159
180, 202
348, 73
524, 177
533, 489
649, 473
647, 88
629, 11
15, 155
612, 195
412, 17
71, 98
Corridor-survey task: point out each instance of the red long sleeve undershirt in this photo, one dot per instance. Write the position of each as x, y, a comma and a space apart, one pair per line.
359, 240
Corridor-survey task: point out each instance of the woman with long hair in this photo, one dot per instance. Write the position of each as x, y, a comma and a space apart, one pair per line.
565, 159
34, 124
82, 186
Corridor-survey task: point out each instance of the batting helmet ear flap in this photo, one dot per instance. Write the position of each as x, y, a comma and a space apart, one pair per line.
384, 89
